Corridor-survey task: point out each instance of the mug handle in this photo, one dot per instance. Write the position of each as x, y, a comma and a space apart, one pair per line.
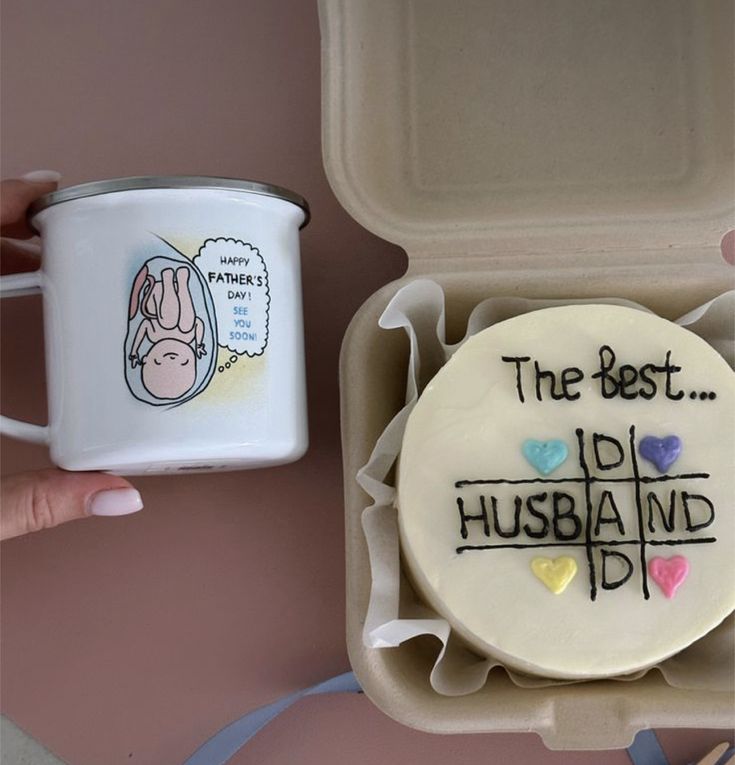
18, 285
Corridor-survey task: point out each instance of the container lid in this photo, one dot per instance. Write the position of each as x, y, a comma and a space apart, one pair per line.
167, 182
502, 127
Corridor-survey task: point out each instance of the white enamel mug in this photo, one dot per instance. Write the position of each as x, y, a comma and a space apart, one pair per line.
173, 325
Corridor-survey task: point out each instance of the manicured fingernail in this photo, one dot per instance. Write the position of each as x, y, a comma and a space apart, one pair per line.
115, 502
42, 176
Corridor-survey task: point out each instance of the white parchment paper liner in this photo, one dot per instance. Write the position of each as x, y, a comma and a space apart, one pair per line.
395, 613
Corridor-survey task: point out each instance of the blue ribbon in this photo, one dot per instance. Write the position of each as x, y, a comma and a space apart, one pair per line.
229, 741
726, 756
645, 749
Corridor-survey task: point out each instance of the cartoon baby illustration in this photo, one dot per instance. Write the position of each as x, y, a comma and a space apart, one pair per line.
169, 340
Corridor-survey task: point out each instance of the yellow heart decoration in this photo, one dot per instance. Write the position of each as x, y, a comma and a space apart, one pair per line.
555, 573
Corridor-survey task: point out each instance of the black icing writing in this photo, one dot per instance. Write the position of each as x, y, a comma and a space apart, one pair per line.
602, 446
517, 360
588, 524
666, 520
592, 479
697, 509
558, 386
518, 504
608, 505
539, 515
703, 395
465, 517
558, 389
563, 507
626, 381
639, 512
630, 382
544, 530
622, 559
593, 544
558, 519
696, 503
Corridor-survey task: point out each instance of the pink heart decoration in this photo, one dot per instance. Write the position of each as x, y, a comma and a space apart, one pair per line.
669, 573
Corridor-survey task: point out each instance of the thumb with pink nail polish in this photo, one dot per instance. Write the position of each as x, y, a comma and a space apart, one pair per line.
34, 501
41, 500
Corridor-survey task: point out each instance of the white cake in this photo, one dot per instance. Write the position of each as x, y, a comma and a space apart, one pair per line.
566, 491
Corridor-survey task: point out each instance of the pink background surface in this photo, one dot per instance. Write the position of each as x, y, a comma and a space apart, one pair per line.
134, 639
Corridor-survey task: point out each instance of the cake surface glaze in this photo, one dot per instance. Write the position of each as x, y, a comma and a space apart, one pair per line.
566, 491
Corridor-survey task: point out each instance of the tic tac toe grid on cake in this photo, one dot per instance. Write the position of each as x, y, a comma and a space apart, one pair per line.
565, 491
545, 457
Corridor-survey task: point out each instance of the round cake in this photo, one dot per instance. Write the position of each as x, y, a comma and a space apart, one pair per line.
566, 491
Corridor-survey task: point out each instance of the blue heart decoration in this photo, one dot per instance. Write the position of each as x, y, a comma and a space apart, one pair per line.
545, 456
662, 452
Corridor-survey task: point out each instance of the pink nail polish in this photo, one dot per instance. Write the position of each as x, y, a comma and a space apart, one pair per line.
42, 176
115, 502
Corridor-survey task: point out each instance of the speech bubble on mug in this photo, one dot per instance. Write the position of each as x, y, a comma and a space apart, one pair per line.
237, 277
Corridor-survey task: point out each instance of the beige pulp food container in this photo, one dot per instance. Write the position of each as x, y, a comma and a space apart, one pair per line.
558, 149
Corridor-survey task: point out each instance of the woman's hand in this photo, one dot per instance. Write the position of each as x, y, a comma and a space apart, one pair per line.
35, 501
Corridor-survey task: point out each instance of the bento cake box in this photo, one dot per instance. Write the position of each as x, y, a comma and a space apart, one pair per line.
550, 150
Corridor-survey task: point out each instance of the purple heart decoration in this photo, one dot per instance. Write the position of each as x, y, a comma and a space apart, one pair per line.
662, 452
